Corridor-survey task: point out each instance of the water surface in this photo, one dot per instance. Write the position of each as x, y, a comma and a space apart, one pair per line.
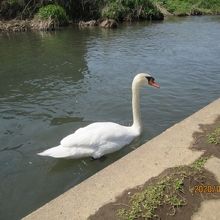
53, 83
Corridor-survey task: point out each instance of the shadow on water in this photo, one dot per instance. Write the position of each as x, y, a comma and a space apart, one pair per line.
64, 165
63, 120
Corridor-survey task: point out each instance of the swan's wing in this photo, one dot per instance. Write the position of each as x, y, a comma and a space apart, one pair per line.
98, 134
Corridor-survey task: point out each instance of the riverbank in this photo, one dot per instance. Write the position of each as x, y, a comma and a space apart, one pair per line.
49, 25
16, 16
189, 7
177, 146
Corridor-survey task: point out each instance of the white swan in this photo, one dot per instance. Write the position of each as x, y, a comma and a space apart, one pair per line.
100, 138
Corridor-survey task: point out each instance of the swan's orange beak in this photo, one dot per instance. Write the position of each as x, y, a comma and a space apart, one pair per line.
154, 84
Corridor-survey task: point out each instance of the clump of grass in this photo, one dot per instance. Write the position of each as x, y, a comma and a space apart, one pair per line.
143, 204
199, 164
54, 12
178, 184
131, 10
115, 10
214, 137
167, 191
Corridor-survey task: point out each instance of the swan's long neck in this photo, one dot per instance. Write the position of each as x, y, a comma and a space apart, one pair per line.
137, 124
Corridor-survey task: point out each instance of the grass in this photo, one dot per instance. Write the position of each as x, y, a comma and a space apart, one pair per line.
214, 137
130, 10
54, 12
191, 7
117, 9
199, 164
144, 203
167, 191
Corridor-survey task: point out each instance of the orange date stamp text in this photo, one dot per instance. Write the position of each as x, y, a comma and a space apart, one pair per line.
207, 188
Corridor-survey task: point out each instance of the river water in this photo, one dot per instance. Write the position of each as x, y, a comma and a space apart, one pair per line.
53, 83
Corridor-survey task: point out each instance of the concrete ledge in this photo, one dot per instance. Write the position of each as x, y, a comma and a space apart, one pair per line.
169, 149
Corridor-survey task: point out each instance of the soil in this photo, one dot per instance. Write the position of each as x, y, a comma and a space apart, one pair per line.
193, 199
200, 140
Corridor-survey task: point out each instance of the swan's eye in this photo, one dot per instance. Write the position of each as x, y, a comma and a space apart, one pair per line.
151, 82
150, 79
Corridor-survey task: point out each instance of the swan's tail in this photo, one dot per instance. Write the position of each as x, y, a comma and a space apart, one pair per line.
66, 152
56, 152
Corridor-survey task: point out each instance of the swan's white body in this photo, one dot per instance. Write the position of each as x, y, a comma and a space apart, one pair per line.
98, 139
94, 140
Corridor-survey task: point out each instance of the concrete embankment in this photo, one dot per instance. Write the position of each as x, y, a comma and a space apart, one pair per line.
171, 148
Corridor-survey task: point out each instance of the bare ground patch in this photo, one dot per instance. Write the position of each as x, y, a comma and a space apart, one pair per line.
203, 142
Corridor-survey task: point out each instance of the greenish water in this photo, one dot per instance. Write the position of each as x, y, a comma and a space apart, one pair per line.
53, 83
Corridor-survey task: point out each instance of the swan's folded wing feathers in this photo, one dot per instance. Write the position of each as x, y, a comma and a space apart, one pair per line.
97, 134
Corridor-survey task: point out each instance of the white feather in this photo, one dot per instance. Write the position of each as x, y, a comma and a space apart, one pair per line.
100, 138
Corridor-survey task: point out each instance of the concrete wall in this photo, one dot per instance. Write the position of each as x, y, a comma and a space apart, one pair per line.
169, 149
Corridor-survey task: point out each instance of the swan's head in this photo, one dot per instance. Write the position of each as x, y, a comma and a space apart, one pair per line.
145, 79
